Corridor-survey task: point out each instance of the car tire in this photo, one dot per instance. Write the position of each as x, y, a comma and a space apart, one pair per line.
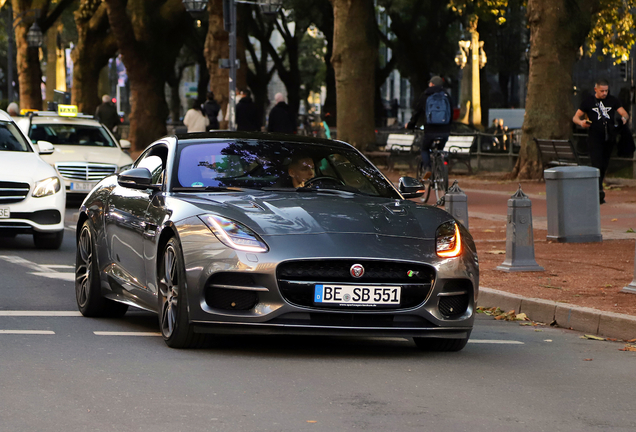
48, 240
174, 321
440, 344
88, 291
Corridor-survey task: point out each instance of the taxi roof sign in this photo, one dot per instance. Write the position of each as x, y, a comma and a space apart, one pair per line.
67, 110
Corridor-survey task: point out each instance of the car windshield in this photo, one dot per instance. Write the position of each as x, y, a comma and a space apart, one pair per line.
11, 139
69, 134
260, 164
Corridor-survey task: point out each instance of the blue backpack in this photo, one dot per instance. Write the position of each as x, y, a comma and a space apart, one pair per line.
438, 109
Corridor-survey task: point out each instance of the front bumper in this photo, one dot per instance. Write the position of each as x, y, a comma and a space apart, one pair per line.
267, 310
44, 214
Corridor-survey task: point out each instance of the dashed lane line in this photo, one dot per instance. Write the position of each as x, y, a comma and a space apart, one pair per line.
43, 270
113, 333
27, 332
17, 313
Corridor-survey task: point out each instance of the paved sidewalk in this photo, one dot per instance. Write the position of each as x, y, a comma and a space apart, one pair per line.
487, 199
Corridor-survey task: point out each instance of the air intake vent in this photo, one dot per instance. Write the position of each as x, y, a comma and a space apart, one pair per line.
230, 299
453, 306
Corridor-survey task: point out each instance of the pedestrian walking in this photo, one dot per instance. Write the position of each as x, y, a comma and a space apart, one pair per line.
433, 112
597, 114
195, 119
247, 113
212, 108
281, 119
106, 113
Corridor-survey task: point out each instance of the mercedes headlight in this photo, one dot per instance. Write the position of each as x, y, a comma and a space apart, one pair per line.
448, 242
46, 187
234, 234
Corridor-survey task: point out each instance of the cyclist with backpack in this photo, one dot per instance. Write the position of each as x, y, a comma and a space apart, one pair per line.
433, 111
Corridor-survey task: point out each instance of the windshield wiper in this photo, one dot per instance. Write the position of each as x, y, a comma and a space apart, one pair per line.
206, 189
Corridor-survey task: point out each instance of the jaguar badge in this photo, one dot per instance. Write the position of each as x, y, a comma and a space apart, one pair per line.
356, 270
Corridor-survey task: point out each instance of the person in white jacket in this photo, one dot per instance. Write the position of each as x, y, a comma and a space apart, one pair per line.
195, 119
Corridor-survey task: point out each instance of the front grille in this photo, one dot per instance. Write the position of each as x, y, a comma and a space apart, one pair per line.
297, 280
453, 306
13, 192
42, 217
85, 171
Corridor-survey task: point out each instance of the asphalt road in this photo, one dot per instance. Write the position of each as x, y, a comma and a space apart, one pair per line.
62, 372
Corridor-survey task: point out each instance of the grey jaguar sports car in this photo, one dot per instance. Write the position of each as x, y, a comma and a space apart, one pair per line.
230, 232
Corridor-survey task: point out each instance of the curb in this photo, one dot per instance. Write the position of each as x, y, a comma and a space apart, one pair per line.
586, 320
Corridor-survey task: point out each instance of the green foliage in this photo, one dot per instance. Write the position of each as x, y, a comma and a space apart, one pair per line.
613, 29
480, 8
311, 63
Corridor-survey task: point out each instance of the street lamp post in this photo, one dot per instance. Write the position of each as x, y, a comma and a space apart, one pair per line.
472, 49
35, 38
196, 8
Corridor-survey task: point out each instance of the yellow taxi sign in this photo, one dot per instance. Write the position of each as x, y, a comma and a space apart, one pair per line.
25, 111
67, 110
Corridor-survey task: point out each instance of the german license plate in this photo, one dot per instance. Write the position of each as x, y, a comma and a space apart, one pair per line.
81, 186
356, 295
5, 213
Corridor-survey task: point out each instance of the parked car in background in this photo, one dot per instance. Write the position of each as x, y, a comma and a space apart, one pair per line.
32, 198
85, 151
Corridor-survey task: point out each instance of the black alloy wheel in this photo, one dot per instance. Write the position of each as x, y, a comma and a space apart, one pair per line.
174, 322
90, 301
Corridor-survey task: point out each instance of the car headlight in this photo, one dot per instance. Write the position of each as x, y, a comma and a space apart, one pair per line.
234, 234
124, 168
46, 187
448, 242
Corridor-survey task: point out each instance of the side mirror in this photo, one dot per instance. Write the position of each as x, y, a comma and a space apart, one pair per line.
410, 187
45, 147
136, 178
125, 144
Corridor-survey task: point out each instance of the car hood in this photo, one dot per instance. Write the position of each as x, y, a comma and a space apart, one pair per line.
314, 213
24, 166
73, 153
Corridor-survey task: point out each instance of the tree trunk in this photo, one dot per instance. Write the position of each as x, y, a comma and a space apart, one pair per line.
149, 38
557, 29
95, 46
354, 58
216, 48
28, 66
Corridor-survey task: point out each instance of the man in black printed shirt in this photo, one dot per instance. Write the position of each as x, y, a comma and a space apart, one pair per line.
598, 114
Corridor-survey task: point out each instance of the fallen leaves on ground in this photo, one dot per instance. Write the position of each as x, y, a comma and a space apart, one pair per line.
498, 314
592, 337
496, 252
588, 359
628, 347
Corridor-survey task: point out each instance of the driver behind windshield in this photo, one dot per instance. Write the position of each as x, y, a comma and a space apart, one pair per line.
300, 170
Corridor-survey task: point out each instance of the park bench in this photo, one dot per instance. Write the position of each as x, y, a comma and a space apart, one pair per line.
555, 153
458, 148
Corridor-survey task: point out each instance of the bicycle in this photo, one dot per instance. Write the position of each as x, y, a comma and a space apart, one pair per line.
438, 181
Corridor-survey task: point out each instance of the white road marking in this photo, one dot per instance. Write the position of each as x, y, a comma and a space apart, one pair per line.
112, 333
44, 270
69, 277
28, 332
17, 313
495, 341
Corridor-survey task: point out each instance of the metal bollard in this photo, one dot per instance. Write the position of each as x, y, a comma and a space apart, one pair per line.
456, 203
519, 236
631, 288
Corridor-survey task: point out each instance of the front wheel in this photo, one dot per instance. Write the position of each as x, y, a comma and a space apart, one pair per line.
440, 344
174, 321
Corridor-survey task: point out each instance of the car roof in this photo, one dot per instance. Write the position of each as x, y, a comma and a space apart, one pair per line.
259, 136
4, 116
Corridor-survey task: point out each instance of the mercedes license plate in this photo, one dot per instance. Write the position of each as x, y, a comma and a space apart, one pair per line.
81, 186
357, 295
5, 213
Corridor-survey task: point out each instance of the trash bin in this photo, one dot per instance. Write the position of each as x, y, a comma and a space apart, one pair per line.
574, 211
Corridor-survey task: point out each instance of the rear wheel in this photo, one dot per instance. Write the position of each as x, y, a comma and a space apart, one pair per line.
173, 309
48, 240
440, 344
440, 176
426, 182
90, 301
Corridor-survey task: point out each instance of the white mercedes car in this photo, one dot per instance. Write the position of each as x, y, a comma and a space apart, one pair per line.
32, 199
85, 151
